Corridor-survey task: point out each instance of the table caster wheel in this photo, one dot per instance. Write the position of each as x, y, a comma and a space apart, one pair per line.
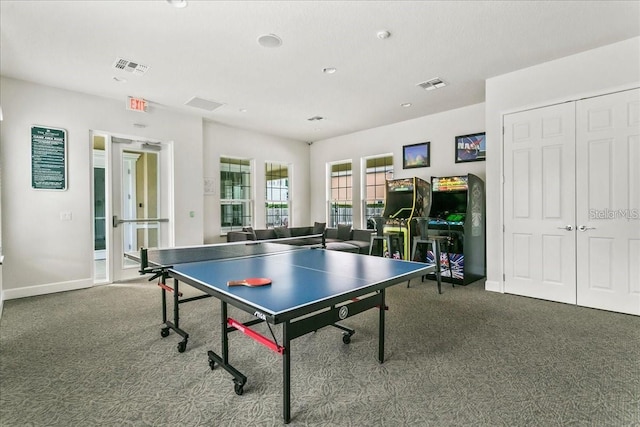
212, 364
346, 338
182, 346
238, 388
164, 332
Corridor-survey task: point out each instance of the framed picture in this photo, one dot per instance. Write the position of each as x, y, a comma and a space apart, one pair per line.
416, 155
471, 148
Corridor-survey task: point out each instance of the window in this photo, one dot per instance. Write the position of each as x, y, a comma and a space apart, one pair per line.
277, 195
376, 171
340, 203
235, 194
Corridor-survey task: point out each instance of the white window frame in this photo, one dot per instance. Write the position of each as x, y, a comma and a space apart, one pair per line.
248, 202
268, 200
363, 192
331, 200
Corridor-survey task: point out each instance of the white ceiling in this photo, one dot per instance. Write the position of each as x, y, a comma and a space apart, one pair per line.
209, 49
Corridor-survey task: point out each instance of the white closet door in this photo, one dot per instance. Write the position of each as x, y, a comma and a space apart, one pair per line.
539, 203
608, 202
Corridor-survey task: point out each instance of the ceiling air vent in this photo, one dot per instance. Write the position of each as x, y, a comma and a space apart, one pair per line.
203, 104
435, 83
130, 66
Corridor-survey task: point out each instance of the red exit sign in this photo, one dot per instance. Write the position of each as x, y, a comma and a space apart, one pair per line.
137, 104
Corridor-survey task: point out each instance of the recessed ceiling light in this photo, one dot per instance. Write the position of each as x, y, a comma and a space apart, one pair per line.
178, 3
384, 34
243, 110
329, 70
406, 105
269, 40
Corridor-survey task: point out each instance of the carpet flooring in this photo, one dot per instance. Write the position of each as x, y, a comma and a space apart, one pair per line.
468, 357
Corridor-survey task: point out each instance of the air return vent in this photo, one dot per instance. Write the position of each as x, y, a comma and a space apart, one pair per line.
204, 104
130, 66
435, 83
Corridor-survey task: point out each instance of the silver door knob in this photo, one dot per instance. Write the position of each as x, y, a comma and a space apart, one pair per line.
566, 227
585, 228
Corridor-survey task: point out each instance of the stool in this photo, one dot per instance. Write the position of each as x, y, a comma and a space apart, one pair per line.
395, 239
435, 246
382, 240
390, 239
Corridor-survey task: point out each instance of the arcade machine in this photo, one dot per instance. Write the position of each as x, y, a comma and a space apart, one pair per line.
458, 211
405, 198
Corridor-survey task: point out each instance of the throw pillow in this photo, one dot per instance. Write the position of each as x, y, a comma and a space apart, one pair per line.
344, 231
282, 232
250, 230
318, 227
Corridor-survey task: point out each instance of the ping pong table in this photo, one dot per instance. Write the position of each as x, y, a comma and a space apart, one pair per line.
311, 288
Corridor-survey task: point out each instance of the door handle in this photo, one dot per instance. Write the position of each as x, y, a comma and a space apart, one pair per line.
566, 227
117, 221
585, 228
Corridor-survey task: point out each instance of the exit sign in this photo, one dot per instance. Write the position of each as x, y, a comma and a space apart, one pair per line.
136, 104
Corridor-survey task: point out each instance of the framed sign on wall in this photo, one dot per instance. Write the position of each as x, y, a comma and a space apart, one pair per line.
416, 155
48, 158
471, 148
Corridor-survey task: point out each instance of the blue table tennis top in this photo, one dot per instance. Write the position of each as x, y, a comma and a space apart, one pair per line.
299, 278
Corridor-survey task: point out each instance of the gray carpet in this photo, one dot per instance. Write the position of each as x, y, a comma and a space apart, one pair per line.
464, 358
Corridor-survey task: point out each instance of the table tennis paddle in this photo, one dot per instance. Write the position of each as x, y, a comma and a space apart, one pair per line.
251, 281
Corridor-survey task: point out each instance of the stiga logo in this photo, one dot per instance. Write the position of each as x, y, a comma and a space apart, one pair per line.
260, 315
628, 214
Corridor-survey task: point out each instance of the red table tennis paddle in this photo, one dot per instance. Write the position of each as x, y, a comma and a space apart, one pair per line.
252, 281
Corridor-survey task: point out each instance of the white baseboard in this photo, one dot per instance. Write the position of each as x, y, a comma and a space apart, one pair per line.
49, 288
493, 286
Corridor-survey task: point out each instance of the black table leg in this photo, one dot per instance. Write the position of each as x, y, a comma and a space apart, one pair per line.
286, 374
225, 338
381, 328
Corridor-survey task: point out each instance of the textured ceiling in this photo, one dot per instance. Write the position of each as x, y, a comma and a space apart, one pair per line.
209, 49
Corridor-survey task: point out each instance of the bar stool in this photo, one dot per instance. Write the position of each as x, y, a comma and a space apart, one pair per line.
395, 242
425, 238
379, 236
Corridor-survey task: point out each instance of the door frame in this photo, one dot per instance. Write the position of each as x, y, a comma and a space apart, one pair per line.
536, 105
165, 181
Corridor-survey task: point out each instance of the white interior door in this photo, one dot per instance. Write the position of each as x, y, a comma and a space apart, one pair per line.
539, 203
140, 202
608, 202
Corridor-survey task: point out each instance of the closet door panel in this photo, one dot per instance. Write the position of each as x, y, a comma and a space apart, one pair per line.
539, 205
608, 202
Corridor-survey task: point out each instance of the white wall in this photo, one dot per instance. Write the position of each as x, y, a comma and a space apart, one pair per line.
221, 140
42, 253
440, 129
590, 73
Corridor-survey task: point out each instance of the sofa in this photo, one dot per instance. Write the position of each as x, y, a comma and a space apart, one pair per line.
342, 238
347, 239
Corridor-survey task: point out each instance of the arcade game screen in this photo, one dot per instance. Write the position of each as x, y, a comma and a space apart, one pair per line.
400, 204
450, 206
